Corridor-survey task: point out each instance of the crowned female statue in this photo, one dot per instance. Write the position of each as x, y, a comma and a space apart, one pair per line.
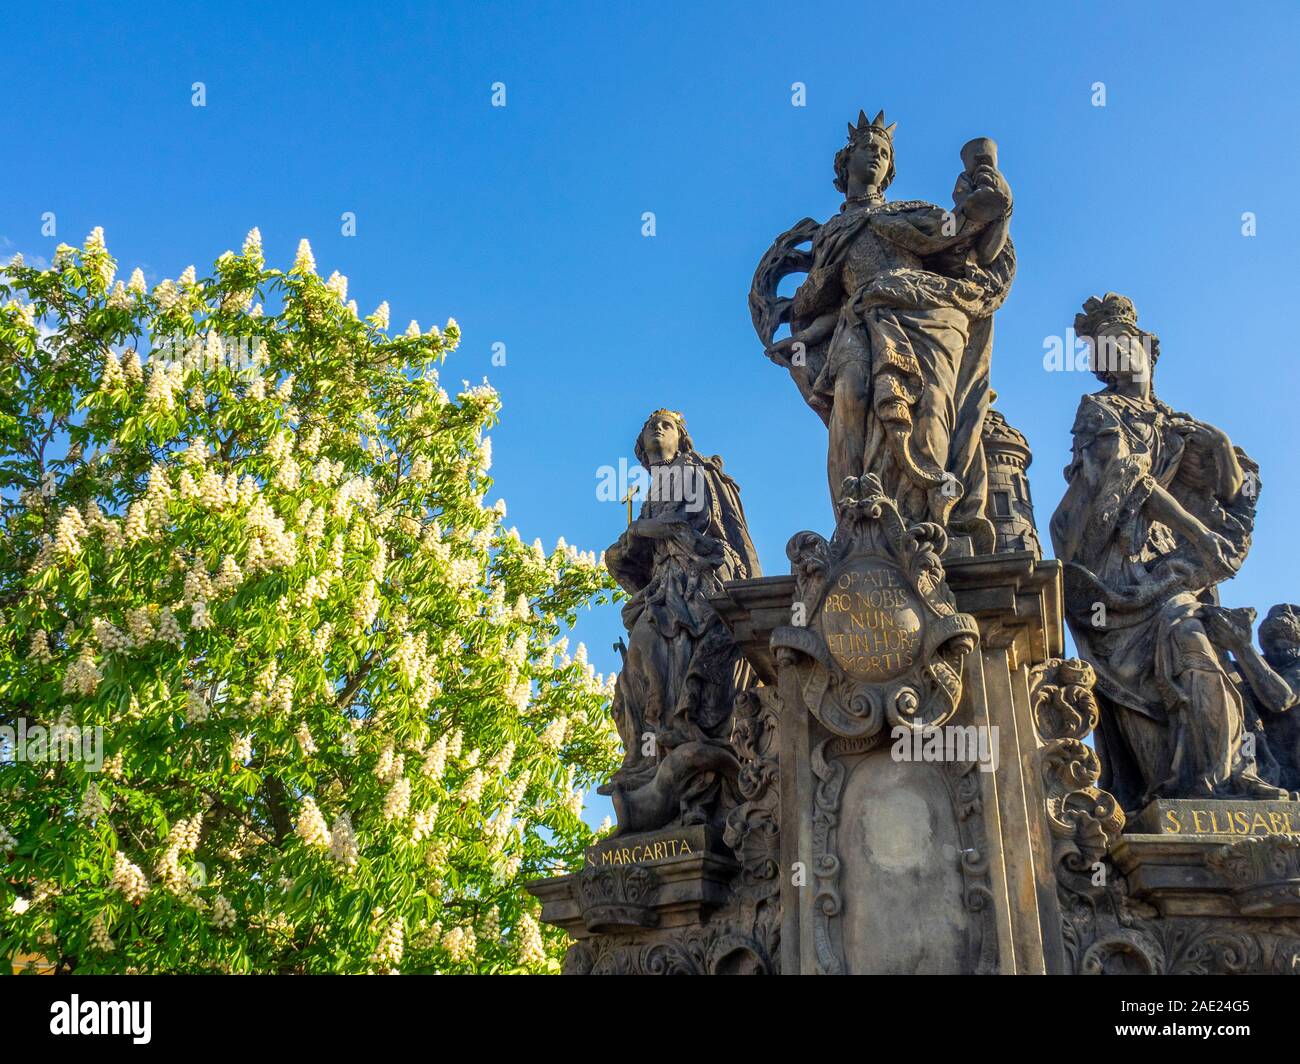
1159, 510
673, 700
891, 332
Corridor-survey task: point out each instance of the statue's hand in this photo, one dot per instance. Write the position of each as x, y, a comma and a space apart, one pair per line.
655, 528
1228, 628
1192, 430
1178, 572
1216, 551
647, 528
782, 352
990, 198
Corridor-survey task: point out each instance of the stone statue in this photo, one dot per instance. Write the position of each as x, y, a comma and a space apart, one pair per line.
674, 698
1159, 510
1270, 681
891, 332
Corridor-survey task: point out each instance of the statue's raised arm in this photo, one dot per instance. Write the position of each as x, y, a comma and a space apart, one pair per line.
891, 330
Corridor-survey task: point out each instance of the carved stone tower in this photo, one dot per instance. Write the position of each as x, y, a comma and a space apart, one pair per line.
1010, 507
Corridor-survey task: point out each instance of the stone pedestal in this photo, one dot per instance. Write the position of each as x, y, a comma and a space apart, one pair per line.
896, 862
658, 903
998, 853
1171, 900
653, 880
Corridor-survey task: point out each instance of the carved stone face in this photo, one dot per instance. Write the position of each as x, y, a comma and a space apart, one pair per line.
661, 439
1279, 636
869, 161
1121, 353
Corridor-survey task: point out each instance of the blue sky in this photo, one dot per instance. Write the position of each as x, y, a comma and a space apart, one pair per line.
524, 222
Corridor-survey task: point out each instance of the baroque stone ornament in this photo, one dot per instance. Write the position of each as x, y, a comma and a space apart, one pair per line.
878, 642
674, 696
1084, 819
1098, 924
617, 896
891, 331
1264, 874
1159, 510
1138, 904
1010, 506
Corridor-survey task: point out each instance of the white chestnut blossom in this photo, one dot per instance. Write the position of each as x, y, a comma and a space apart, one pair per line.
288, 541
128, 878
311, 825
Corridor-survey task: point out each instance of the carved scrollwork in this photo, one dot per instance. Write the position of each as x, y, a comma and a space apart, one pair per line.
612, 897
1264, 874
1123, 952
716, 949
1084, 820
1064, 704
753, 832
878, 639
827, 902
964, 793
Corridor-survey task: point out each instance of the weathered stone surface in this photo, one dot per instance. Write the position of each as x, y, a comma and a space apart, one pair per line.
674, 697
1206, 817
905, 905
891, 331
1211, 876
1160, 508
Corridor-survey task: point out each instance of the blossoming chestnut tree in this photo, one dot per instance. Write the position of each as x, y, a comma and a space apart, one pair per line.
340, 723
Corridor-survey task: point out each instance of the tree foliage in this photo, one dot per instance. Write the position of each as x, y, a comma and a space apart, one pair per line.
340, 723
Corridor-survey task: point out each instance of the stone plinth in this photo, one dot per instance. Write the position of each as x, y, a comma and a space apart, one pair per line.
943, 866
653, 880
1233, 819
1170, 897
1197, 858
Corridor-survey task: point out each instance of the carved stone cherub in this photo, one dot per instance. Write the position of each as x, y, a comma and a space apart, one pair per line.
674, 698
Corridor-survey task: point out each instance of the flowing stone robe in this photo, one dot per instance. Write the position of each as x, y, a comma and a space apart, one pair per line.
682, 668
916, 311
1175, 723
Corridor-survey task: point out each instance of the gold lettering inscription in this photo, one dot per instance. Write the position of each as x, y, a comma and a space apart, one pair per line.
1220, 821
643, 853
871, 622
